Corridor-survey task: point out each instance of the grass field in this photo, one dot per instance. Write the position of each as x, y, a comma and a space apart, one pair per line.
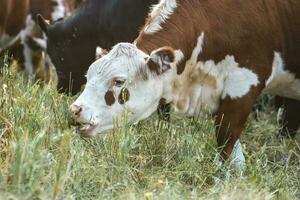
42, 156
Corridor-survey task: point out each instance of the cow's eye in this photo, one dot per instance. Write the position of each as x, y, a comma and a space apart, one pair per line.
119, 82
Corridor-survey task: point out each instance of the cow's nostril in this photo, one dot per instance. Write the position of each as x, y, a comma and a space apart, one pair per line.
77, 113
76, 110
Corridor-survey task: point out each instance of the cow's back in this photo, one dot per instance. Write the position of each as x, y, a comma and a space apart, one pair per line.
252, 31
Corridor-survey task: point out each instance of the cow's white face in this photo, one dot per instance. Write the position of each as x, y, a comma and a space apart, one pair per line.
125, 82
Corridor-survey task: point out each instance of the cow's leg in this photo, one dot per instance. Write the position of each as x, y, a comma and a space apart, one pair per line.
290, 120
230, 120
164, 110
237, 153
28, 59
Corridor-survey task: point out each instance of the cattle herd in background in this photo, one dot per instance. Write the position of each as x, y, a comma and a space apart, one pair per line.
19, 31
69, 31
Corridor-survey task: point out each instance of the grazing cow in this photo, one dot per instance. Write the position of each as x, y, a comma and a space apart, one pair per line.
71, 43
216, 56
22, 44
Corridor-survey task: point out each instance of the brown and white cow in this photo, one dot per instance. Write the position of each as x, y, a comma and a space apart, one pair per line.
199, 55
18, 28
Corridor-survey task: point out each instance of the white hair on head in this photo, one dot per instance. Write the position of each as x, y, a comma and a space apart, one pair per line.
124, 49
123, 57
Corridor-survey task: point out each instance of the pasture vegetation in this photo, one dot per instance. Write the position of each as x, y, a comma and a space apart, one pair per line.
42, 156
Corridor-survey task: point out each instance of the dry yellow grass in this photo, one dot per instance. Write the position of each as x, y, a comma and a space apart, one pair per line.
42, 157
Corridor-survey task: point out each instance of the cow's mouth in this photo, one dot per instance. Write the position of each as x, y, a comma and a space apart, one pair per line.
87, 129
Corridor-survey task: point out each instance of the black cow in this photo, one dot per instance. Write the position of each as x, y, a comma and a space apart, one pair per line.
71, 43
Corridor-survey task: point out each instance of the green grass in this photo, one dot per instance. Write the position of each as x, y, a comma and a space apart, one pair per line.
42, 156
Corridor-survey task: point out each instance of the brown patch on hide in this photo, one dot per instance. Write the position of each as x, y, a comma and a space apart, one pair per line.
153, 67
123, 96
142, 74
202, 78
181, 104
109, 98
195, 76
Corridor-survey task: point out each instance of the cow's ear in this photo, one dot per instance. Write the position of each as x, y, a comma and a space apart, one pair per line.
161, 60
44, 25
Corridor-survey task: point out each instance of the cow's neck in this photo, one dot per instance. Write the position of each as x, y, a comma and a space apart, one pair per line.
178, 89
148, 43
